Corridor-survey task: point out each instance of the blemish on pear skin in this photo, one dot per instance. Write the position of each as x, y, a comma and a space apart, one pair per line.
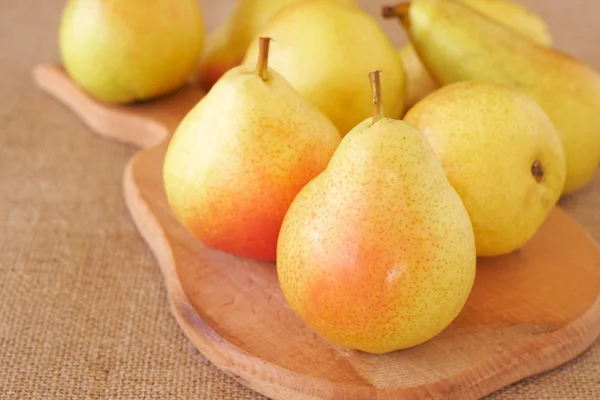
537, 171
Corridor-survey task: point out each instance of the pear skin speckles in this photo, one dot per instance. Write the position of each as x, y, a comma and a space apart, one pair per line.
377, 253
488, 138
238, 159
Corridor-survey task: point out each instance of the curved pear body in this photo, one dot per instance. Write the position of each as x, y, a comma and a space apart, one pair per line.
226, 46
419, 82
488, 138
325, 48
240, 156
125, 51
457, 44
377, 253
515, 16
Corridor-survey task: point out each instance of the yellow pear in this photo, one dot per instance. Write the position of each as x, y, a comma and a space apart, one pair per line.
419, 82
377, 252
515, 16
324, 48
456, 44
126, 51
240, 156
226, 46
501, 153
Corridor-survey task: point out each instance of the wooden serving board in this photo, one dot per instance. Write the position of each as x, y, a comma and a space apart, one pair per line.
528, 312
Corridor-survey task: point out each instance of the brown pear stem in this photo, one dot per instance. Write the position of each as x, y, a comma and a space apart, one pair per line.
376, 89
399, 11
263, 57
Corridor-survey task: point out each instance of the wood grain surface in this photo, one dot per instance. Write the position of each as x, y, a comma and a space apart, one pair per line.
142, 125
528, 312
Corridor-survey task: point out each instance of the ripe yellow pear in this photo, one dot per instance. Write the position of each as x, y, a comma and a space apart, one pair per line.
501, 153
126, 51
457, 44
324, 48
240, 156
377, 252
419, 82
226, 46
515, 16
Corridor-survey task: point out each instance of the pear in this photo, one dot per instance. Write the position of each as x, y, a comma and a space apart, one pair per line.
502, 155
226, 46
324, 47
456, 44
377, 252
240, 156
419, 82
126, 51
515, 16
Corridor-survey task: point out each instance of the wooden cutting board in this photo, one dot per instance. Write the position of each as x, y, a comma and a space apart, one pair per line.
528, 312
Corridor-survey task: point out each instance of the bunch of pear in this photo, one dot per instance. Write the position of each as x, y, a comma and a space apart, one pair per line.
479, 40
374, 177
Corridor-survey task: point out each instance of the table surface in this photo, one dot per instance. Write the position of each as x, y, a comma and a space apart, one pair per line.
83, 310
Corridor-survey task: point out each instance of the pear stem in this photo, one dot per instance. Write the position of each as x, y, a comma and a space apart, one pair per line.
399, 11
263, 58
376, 89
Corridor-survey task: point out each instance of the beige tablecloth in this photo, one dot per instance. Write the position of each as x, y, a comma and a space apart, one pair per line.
83, 312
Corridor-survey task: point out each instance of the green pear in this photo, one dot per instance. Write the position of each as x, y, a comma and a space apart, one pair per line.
377, 252
501, 153
324, 48
457, 43
517, 17
240, 156
125, 51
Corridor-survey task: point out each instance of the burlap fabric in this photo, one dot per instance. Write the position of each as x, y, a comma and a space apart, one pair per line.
83, 312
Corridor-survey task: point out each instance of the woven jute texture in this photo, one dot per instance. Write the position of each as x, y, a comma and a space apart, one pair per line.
83, 311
